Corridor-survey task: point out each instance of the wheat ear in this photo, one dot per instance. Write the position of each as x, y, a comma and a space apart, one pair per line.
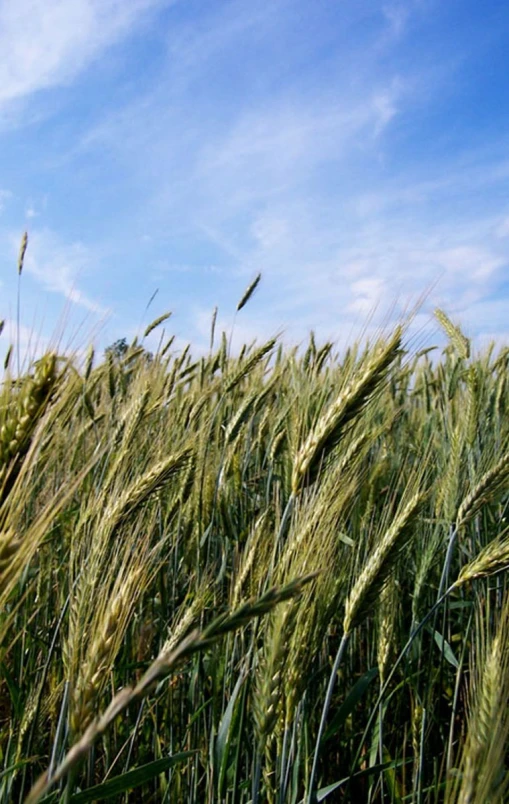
165, 663
365, 590
488, 485
144, 487
251, 363
331, 425
483, 777
492, 559
156, 322
380, 564
249, 292
458, 340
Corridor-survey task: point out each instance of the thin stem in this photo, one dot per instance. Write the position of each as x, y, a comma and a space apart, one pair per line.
325, 712
18, 323
397, 663
255, 792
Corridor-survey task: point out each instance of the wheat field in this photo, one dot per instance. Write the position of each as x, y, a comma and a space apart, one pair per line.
275, 576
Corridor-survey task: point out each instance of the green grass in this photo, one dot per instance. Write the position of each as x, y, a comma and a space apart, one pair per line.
218, 575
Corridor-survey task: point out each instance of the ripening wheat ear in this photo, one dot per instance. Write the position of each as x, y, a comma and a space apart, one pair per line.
249, 292
483, 777
251, 363
93, 670
380, 564
331, 426
21, 420
387, 614
491, 482
458, 340
10, 545
142, 488
155, 323
267, 696
22, 252
365, 591
492, 559
165, 663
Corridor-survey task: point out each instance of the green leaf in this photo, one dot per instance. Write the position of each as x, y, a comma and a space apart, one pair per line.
130, 780
222, 741
446, 649
322, 794
351, 702
391, 778
346, 539
14, 767
326, 791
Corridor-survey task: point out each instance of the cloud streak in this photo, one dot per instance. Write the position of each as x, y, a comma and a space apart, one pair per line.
58, 266
45, 44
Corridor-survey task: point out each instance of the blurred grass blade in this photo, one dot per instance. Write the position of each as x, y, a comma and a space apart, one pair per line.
130, 780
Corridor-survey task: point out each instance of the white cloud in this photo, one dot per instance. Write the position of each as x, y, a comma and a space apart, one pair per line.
58, 266
385, 106
4, 196
502, 228
269, 148
212, 33
397, 15
270, 232
367, 293
47, 43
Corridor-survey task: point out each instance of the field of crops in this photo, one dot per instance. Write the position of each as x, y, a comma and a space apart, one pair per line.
275, 576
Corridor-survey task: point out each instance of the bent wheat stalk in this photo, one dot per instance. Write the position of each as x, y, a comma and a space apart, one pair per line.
165, 663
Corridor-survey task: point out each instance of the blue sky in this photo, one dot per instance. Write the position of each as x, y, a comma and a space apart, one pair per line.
354, 151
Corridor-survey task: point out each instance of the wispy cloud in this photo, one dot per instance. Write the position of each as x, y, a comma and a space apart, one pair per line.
47, 44
5, 195
58, 266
